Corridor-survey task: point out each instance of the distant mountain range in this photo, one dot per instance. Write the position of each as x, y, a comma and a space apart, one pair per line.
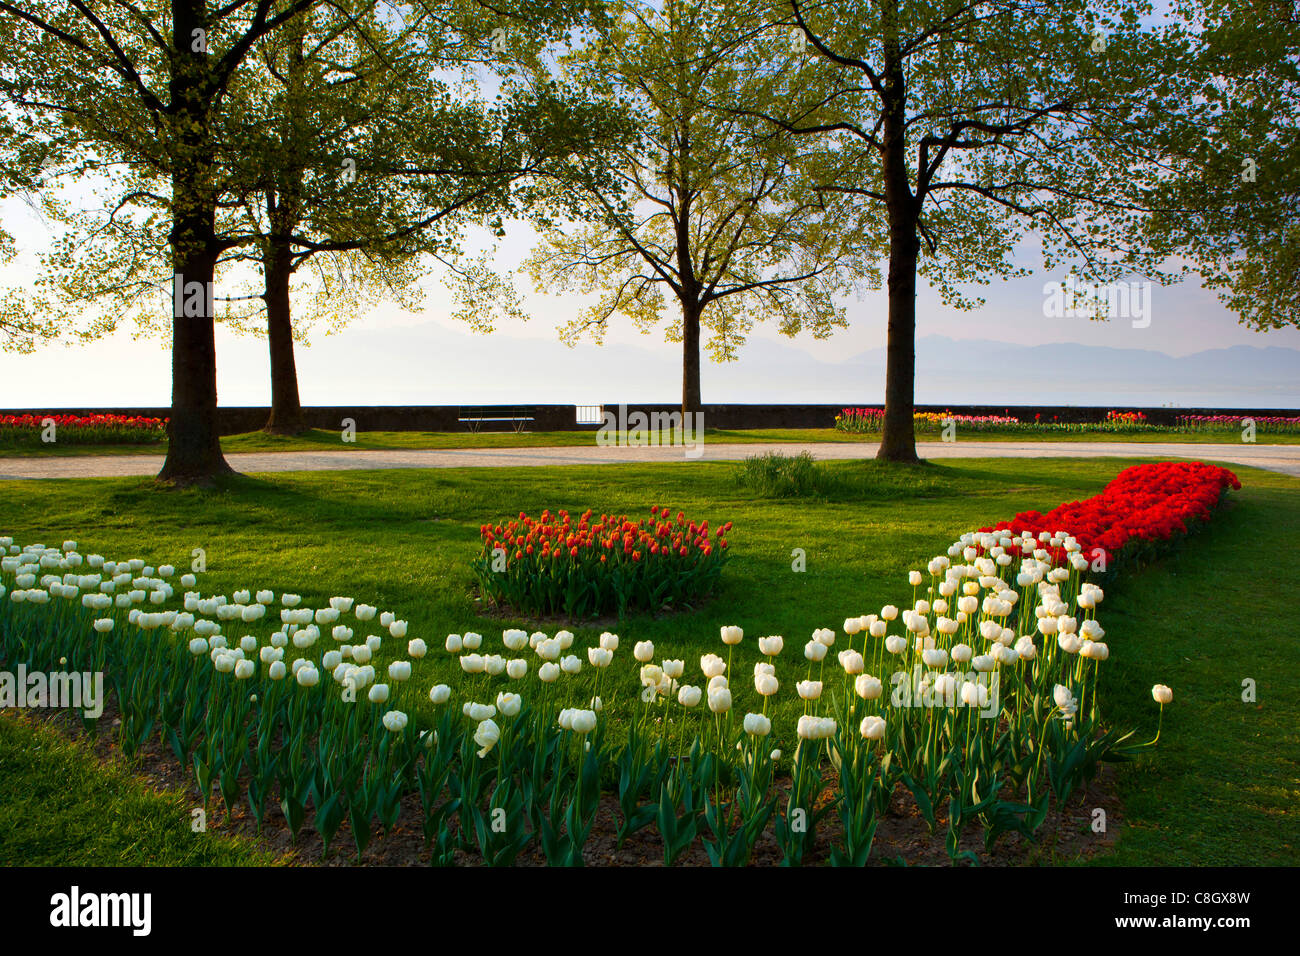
438, 365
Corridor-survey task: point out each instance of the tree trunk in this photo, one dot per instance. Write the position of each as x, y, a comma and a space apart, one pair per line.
286, 408
898, 433
690, 360
194, 442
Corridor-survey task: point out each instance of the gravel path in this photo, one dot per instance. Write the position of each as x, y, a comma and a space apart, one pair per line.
1280, 458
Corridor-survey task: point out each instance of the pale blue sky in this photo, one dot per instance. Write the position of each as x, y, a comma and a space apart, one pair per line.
392, 357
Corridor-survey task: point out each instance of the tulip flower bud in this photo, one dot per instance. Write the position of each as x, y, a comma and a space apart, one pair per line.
809, 689
486, 736
873, 727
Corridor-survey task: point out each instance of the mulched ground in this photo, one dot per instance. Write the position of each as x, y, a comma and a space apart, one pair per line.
901, 834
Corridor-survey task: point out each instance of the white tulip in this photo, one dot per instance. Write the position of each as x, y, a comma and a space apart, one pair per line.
711, 665
644, 651
872, 727
974, 694
868, 687
583, 721
486, 736
439, 693
809, 689
758, 725
479, 712
852, 662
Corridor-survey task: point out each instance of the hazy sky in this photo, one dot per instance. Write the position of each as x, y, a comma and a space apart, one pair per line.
357, 365
392, 357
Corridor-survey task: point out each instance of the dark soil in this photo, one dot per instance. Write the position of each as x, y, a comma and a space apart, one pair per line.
901, 837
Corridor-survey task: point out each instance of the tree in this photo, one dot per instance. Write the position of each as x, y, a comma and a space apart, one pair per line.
359, 154
137, 86
157, 118
711, 209
1232, 208
981, 121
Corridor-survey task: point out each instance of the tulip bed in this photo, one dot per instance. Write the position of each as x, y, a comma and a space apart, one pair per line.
1268, 425
1137, 514
26, 431
861, 421
553, 565
981, 699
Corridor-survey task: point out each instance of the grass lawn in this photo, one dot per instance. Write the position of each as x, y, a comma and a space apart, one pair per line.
320, 440
60, 805
1222, 788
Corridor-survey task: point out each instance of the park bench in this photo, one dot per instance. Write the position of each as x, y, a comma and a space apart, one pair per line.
474, 416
